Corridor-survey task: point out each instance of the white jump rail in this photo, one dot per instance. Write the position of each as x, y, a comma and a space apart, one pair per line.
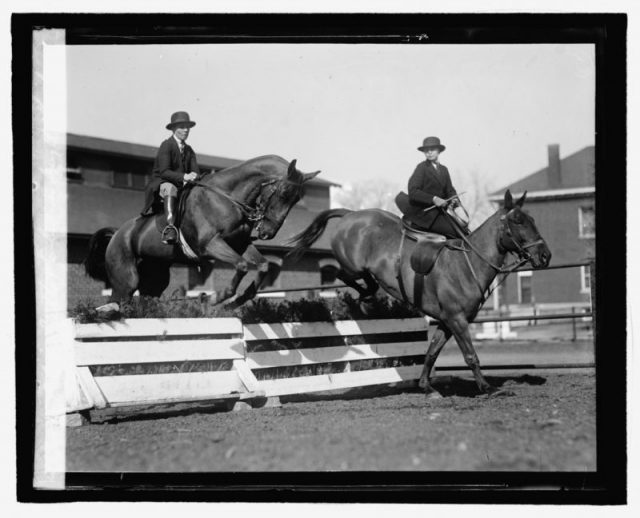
112, 360
133, 344
394, 346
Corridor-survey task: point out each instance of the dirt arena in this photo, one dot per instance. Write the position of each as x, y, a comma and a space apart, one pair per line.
548, 425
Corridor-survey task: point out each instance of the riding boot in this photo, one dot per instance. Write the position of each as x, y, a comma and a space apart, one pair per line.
170, 232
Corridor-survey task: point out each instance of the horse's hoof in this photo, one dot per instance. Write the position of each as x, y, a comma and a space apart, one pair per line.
224, 297
112, 307
500, 393
233, 303
434, 394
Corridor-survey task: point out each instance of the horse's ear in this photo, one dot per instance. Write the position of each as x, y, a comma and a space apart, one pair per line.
292, 169
520, 202
508, 200
309, 176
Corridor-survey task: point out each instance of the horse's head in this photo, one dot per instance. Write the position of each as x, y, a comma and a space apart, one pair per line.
276, 199
520, 235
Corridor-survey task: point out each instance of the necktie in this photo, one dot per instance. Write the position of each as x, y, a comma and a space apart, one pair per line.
182, 155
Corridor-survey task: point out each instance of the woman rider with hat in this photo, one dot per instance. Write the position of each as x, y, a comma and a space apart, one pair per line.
429, 186
175, 164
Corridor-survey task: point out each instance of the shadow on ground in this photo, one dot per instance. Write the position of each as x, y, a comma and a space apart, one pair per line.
448, 386
464, 387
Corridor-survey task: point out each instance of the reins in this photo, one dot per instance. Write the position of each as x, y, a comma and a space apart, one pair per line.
523, 254
521, 251
253, 214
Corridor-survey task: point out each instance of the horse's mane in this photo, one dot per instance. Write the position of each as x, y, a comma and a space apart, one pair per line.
270, 165
488, 220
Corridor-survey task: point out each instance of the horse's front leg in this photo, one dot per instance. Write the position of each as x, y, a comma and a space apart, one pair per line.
253, 256
460, 328
440, 337
217, 248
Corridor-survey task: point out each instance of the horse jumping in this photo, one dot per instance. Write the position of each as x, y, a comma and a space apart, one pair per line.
220, 212
370, 246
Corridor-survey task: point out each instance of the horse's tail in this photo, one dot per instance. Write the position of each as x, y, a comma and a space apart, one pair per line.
94, 262
302, 241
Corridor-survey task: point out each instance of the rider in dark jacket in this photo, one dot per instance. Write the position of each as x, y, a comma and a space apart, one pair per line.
429, 186
175, 164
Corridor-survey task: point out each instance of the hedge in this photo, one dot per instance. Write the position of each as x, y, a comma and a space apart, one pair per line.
342, 307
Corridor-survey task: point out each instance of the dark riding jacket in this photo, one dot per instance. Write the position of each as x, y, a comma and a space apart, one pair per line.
425, 183
169, 166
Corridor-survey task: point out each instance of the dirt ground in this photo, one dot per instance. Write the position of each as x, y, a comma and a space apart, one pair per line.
549, 424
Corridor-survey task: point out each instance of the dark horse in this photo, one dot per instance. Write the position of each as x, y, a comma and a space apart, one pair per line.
220, 212
367, 244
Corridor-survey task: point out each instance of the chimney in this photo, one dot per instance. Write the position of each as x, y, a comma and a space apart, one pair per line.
554, 173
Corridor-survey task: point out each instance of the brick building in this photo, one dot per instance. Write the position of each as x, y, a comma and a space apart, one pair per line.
105, 188
561, 198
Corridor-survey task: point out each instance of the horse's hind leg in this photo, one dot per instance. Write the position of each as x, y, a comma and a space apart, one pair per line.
440, 337
121, 271
154, 277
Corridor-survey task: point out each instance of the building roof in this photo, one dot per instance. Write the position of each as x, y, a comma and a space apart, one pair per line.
92, 208
550, 194
577, 171
142, 151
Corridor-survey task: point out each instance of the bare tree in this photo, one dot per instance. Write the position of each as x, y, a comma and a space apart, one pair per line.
474, 195
378, 194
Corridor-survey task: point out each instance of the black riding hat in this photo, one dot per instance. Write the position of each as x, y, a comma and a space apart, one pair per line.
179, 118
431, 142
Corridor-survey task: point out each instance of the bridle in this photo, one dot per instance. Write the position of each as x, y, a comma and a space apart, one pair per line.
521, 250
257, 214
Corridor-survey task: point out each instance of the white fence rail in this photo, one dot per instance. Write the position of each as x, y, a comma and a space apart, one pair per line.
142, 362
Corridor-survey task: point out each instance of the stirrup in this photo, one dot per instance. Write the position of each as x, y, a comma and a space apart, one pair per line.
167, 230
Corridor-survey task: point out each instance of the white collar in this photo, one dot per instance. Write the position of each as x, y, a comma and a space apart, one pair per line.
180, 142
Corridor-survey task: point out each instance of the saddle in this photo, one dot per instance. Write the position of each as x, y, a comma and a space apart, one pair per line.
423, 257
428, 247
161, 221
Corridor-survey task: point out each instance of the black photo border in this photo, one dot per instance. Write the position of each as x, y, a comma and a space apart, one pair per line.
606, 31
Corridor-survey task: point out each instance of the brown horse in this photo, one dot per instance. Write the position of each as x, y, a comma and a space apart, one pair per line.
220, 212
369, 246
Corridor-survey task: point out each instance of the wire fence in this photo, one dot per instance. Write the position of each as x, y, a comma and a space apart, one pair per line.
502, 316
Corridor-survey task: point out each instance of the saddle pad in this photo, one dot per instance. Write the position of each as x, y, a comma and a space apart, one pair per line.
161, 222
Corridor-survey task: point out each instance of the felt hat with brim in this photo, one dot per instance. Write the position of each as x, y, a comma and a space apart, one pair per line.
431, 142
180, 118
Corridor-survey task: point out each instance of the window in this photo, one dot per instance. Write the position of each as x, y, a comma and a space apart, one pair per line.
127, 180
272, 279
525, 292
328, 277
585, 279
587, 222
200, 280
74, 174
328, 274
